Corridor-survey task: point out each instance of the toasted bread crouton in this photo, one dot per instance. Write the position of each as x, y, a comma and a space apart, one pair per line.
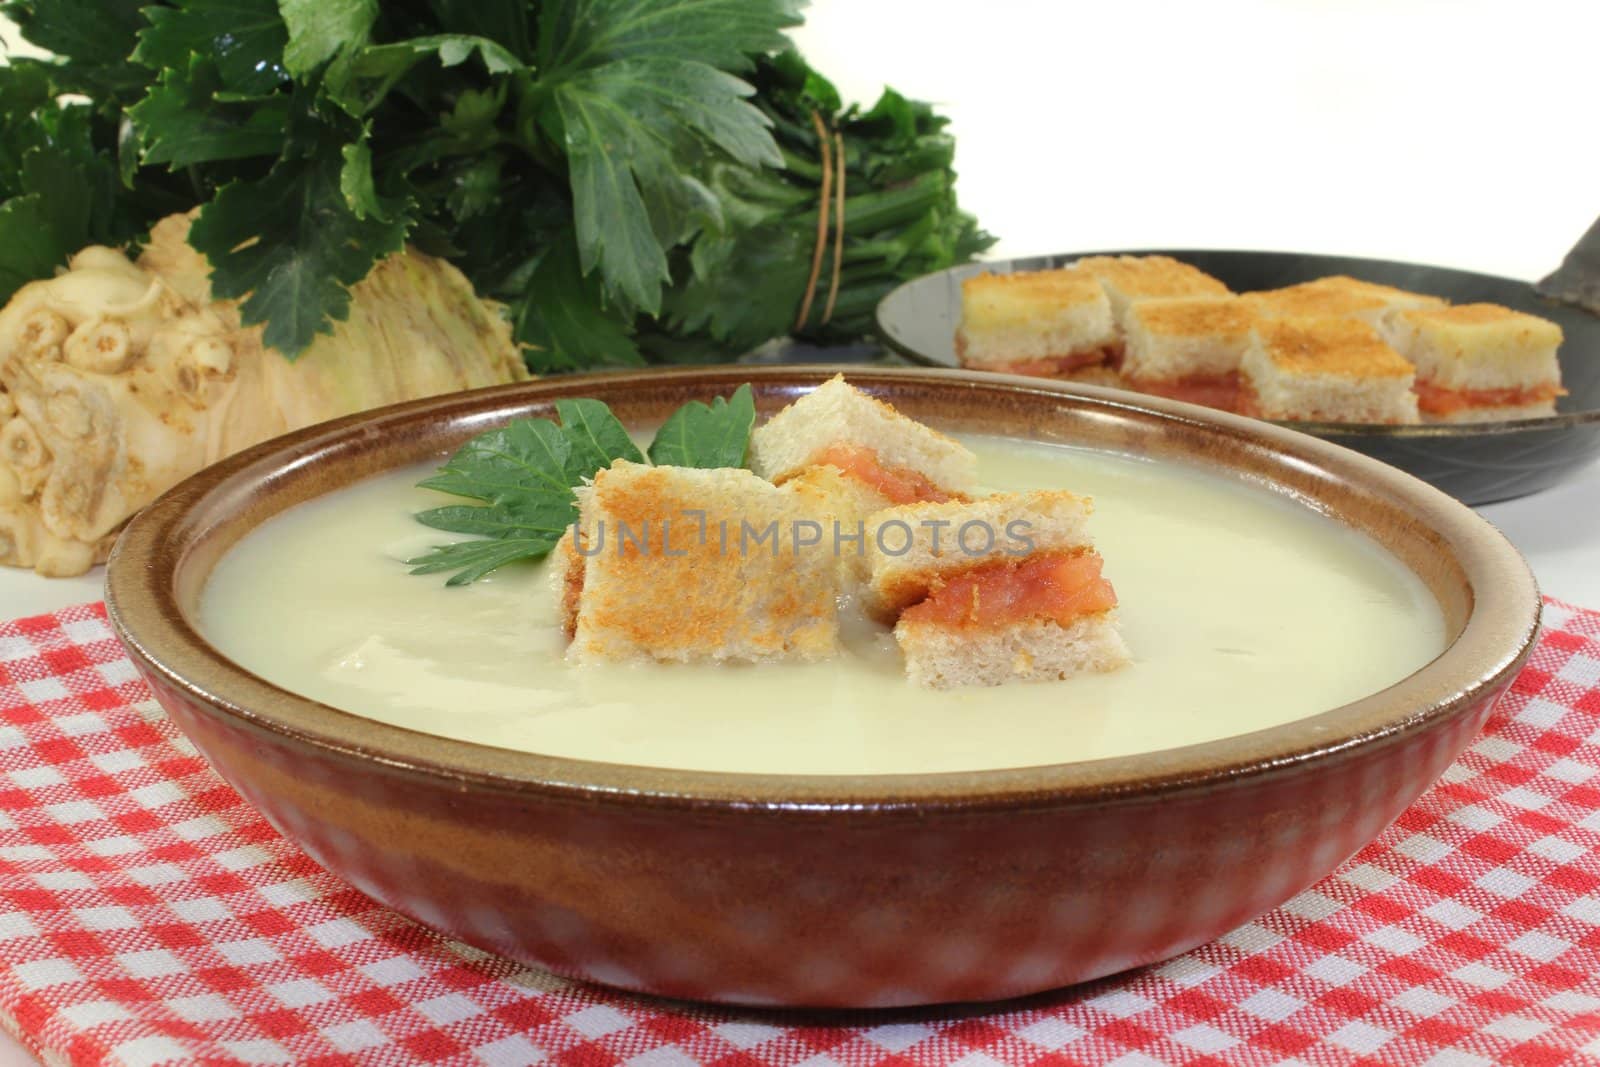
684, 564
910, 547
1188, 348
1041, 322
1396, 299
1480, 362
1326, 369
1002, 589
838, 425
1338, 296
1130, 279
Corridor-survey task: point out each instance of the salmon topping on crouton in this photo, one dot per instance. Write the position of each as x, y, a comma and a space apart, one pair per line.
1058, 586
898, 485
1056, 366
1436, 400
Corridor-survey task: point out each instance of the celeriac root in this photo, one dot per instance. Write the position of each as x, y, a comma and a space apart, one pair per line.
119, 379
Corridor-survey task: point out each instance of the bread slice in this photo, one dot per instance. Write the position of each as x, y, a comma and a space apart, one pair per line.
1338, 295
910, 547
1002, 589
838, 414
1396, 299
681, 564
1043, 322
1037, 650
841, 505
1479, 362
1325, 370
1130, 279
567, 573
1188, 348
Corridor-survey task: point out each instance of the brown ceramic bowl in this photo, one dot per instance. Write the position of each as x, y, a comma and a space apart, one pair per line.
829, 891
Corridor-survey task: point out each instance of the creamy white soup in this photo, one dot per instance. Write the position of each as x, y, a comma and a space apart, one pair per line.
1242, 611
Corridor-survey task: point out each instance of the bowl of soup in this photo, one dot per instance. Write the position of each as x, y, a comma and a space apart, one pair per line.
1315, 637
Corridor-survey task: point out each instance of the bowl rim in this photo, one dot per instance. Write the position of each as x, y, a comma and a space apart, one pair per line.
144, 608
1413, 431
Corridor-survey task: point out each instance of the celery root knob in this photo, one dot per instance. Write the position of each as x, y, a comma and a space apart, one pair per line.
24, 452
103, 347
42, 334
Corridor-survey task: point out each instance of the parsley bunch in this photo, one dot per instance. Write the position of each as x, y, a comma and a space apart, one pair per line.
631, 178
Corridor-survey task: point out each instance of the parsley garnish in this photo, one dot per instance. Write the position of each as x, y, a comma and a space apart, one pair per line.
524, 473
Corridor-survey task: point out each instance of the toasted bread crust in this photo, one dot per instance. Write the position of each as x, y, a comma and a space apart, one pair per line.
1172, 339
838, 413
1130, 278
1331, 347
1190, 317
1313, 300
1032, 316
1028, 293
1325, 370
672, 575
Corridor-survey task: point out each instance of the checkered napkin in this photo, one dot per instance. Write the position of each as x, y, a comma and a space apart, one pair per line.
148, 915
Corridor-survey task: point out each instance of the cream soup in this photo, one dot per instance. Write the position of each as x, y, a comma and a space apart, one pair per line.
1242, 610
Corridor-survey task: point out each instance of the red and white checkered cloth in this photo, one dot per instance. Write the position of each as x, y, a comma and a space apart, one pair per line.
148, 915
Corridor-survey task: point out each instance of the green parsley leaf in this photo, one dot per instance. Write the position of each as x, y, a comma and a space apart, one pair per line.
701, 435
359, 81
182, 123
474, 559
290, 244
243, 38
321, 29
94, 32
561, 314
635, 93
596, 436
66, 197
29, 246
522, 462
525, 472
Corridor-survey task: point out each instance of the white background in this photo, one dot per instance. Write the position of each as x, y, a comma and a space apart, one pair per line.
1458, 132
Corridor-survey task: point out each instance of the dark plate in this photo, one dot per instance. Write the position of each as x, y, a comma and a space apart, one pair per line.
1477, 463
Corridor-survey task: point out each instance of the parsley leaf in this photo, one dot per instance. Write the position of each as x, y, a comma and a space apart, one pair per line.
99, 32
321, 29
595, 435
64, 196
701, 435
561, 313
243, 38
184, 124
28, 247
524, 474
634, 94
474, 559
290, 245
